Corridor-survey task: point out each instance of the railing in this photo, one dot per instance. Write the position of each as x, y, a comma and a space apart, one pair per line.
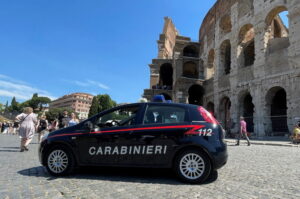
158, 87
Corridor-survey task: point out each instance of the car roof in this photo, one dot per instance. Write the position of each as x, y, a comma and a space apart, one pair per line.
160, 103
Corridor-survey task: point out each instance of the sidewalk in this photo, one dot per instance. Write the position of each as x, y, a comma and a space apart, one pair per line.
279, 141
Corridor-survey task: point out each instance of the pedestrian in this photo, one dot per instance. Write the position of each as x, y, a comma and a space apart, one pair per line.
16, 127
10, 128
54, 125
5, 128
73, 121
28, 122
42, 127
243, 131
64, 120
296, 133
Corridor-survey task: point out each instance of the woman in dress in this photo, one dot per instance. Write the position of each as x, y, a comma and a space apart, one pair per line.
28, 122
73, 120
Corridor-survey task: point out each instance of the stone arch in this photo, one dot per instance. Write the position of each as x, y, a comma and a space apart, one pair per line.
225, 57
275, 27
210, 69
166, 96
191, 51
246, 109
211, 108
166, 75
196, 93
211, 59
190, 70
225, 24
276, 111
224, 112
244, 7
246, 47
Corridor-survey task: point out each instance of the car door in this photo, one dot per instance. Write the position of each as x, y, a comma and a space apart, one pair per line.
158, 134
107, 138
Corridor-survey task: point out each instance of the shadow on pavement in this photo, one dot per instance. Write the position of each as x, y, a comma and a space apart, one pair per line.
9, 149
139, 175
6, 150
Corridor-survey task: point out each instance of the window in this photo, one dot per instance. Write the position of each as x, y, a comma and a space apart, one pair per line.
164, 114
121, 117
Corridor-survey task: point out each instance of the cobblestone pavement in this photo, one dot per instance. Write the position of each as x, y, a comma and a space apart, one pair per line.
257, 171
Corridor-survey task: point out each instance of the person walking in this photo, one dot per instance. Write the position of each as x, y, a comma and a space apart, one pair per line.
73, 120
15, 127
64, 120
243, 131
5, 128
28, 121
54, 125
42, 127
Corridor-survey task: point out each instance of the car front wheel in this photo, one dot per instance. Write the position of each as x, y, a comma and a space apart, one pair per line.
59, 161
192, 166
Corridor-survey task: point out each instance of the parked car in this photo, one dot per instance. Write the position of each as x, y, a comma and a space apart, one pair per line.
184, 137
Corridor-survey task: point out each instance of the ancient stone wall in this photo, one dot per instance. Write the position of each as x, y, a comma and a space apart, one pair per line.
264, 58
248, 64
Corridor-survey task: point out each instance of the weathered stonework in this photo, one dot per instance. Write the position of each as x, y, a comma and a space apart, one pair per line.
247, 63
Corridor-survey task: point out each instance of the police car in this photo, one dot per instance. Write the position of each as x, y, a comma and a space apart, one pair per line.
184, 137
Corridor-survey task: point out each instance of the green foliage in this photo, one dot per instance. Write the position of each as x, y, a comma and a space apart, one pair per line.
94, 109
6, 107
36, 102
101, 103
14, 106
2, 108
54, 113
105, 102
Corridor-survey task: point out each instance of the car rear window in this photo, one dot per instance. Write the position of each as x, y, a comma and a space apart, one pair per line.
156, 114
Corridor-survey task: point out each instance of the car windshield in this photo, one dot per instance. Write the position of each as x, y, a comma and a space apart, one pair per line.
119, 117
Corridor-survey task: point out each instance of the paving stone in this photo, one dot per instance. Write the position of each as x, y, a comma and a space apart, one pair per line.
258, 171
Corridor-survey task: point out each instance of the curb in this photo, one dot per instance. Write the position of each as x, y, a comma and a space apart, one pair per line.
270, 143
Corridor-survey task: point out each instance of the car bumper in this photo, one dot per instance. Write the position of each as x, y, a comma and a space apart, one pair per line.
220, 158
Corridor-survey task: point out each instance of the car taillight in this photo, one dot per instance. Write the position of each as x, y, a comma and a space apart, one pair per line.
207, 116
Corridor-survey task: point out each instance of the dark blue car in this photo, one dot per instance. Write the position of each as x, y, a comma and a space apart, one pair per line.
184, 137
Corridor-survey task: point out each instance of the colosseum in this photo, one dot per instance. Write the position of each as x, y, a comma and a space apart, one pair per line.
246, 62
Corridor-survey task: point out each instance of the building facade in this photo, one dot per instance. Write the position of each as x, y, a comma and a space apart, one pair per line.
78, 102
246, 63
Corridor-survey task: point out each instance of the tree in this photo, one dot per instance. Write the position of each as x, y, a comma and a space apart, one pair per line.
6, 107
106, 102
54, 113
2, 108
101, 103
14, 105
94, 109
36, 102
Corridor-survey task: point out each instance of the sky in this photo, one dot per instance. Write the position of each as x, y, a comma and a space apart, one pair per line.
58, 47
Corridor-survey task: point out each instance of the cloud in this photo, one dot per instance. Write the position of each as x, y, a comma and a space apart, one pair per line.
100, 85
88, 83
10, 87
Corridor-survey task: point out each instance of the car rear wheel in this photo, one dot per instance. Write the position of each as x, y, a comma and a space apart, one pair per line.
60, 161
192, 166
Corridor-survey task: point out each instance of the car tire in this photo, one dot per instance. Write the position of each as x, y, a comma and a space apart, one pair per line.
60, 161
192, 166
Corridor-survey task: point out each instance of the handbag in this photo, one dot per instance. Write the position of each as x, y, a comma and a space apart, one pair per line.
24, 119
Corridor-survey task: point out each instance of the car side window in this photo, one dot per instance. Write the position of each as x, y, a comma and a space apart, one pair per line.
125, 116
156, 114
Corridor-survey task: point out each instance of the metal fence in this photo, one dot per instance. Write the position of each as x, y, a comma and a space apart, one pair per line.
275, 126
